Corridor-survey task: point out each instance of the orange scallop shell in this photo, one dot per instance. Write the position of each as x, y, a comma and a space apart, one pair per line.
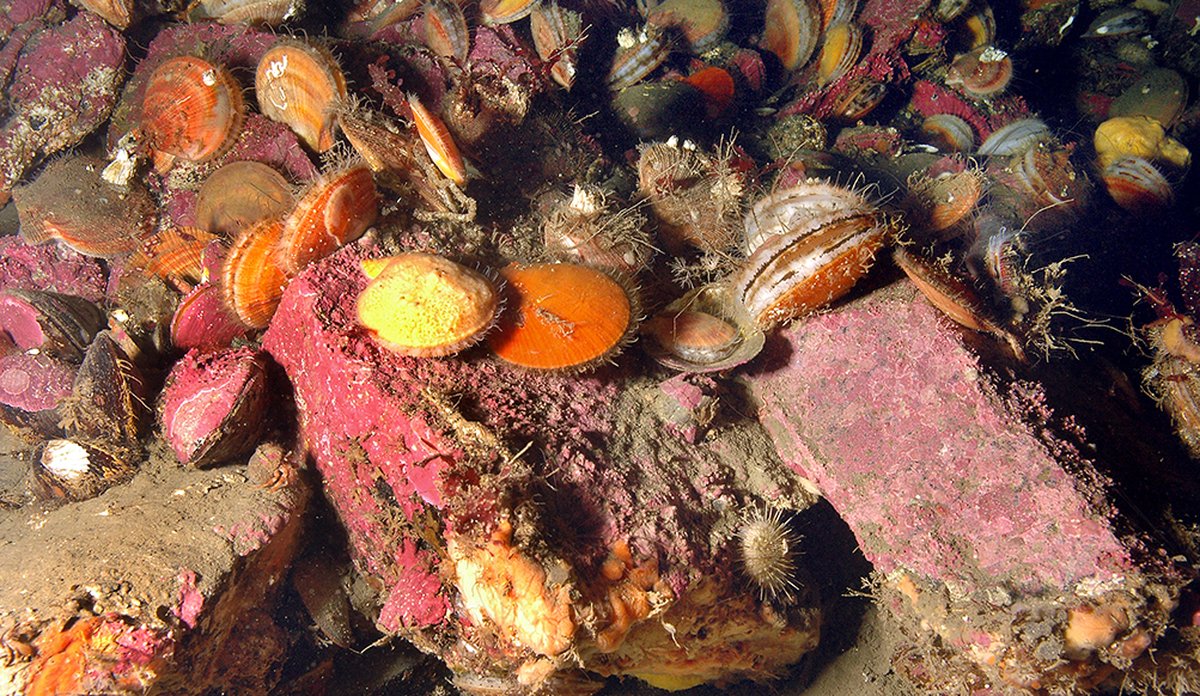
337, 209
984, 72
252, 280
446, 32
192, 109
239, 194
175, 254
298, 84
561, 316
843, 46
438, 142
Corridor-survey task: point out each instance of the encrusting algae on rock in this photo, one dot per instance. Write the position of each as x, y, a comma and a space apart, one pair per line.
398, 255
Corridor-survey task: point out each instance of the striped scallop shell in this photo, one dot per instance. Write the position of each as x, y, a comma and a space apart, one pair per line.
337, 209
192, 109
808, 266
1016, 137
859, 98
239, 194
638, 54
1050, 179
556, 35
175, 255
1137, 185
258, 12
837, 11
298, 84
791, 31
446, 32
948, 133
251, 278
781, 211
842, 49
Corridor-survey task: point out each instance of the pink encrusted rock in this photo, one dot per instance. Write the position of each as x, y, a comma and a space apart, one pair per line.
65, 84
214, 405
460, 479
53, 267
34, 382
993, 542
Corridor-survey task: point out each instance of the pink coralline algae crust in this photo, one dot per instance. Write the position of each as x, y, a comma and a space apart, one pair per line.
53, 267
20, 20
34, 382
191, 599
887, 413
212, 405
65, 84
414, 599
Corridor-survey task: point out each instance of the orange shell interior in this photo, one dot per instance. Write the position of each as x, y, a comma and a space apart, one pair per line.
561, 316
297, 84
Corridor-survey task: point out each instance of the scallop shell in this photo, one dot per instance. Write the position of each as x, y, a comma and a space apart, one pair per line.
638, 54
69, 201
984, 72
446, 32
1016, 137
202, 320
251, 278
781, 211
1050, 179
337, 209
261, 12
791, 31
837, 11
706, 330
1160, 93
979, 26
505, 11
561, 316
240, 194
948, 133
842, 49
297, 84
557, 33
438, 142
703, 23
192, 109
583, 229
1138, 186
425, 305
809, 266
175, 255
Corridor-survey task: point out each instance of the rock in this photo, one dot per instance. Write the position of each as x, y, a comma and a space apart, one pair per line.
522, 525
165, 584
994, 543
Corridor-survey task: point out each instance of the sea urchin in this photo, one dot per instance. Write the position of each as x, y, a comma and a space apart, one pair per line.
768, 547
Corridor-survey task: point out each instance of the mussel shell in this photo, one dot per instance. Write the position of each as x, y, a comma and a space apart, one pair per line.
1160, 93
108, 397
214, 405
706, 330
60, 326
843, 47
297, 83
192, 109
74, 470
702, 22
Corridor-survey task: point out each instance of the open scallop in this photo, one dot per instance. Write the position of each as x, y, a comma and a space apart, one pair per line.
706, 330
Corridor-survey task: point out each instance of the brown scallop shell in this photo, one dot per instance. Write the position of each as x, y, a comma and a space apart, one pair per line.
192, 109
337, 209
298, 84
557, 33
240, 194
251, 278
